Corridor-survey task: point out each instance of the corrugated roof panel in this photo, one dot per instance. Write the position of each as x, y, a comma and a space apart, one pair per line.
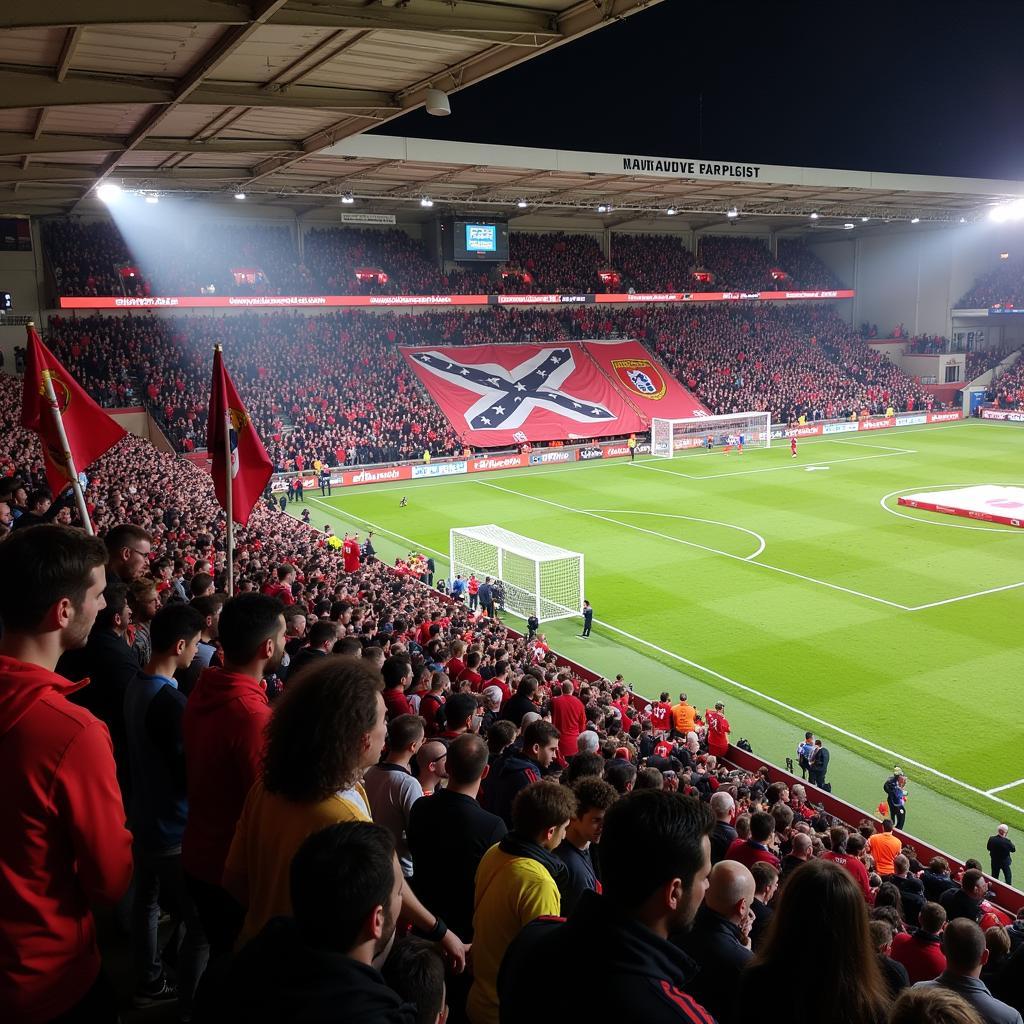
271, 50
144, 49
35, 47
98, 119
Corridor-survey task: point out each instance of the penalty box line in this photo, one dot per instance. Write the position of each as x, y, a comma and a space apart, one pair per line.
743, 687
715, 551
774, 469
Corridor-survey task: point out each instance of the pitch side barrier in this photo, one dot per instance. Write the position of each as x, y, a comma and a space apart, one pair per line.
385, 301
383, 473
1009, 415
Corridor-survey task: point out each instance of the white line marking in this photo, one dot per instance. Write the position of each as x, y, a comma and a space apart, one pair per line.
966, 597
999, 789
533, 471
345, 514
692, 519
773, 469
714, 551
1008, 531
897, 757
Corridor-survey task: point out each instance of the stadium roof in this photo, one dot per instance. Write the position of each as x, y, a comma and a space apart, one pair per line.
233, 94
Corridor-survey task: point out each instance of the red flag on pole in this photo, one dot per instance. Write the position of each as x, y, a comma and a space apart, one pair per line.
89, 431
230, 430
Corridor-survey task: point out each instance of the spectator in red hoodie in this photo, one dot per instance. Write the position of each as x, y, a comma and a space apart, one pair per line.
223, 729
63, 842
282, 589
569, 717
397, 673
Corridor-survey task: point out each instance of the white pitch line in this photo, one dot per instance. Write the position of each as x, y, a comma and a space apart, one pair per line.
1008, 532
880, 447
966, 597
692, 519
772, 469
999, 789
714, 551
898, 758
345, 514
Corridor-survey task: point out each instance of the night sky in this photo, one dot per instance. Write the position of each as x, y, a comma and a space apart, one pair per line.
922, 88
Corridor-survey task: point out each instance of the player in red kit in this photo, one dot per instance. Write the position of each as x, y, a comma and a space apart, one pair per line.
792, 445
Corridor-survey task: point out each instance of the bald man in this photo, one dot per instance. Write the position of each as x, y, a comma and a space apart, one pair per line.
800, 853
723, 807
719, 941
431, 762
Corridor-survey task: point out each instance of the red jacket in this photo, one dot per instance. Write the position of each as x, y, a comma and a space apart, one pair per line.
747, 852
223, 727
63, 842
855, 867
921, 954
569, 717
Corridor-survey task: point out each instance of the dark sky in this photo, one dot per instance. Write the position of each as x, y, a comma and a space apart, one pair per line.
927, 88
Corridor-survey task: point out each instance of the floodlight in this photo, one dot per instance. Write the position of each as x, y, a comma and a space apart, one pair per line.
671, 211
437, 103
348, 199
915, 220
522, 204
239, 195
108, 192
814, 216
426, 201
152, 198
732, 213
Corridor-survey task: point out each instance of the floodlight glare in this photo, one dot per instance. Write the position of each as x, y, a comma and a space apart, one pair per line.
864, 220
814, 216
522, 204
152, 198
847, 227
348, 199
732, 213
426, 201
671, 211
108, 192
915, 220
239, 195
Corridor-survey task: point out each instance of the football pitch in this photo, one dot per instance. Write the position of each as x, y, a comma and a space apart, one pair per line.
796, 590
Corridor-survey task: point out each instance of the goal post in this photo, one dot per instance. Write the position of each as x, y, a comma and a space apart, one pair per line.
670, 437
535, 578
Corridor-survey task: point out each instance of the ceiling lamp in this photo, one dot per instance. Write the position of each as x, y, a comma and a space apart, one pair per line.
348, 199
108, 192
437, 103
239, 195
522, 204
426, 201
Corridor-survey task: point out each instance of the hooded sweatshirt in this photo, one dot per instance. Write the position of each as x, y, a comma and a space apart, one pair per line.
642, 975
278, 976
514, 772
63, 842
223, 728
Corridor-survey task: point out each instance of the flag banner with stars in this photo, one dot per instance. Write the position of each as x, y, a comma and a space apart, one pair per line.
508, 394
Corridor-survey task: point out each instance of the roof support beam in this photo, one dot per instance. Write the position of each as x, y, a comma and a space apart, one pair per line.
33, 87
57, 13
23, 144
67, 53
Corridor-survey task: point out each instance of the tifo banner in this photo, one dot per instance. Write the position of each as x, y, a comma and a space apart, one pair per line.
497, 395
328, 301
648, 386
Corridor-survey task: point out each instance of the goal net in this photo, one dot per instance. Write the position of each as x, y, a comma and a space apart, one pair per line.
669, 437
533, 578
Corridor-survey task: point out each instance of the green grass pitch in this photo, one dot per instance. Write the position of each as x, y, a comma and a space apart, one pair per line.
792, 590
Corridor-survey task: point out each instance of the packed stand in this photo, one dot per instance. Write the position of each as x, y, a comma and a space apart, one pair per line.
805, 269
926, 344
333, 387
86, 259
737, 263
1003, 285
1008, 390
980, 361
652, 263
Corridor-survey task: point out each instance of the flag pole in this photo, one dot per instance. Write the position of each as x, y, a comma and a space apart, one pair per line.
69, 459
228, 490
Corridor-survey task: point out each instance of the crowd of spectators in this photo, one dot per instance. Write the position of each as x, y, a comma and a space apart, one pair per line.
926, 344
93, 258
979, 361
1003, 285
1008, 390
334, 387
340, 753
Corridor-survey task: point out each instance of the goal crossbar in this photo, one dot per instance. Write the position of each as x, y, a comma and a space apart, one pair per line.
669, 437
531, 576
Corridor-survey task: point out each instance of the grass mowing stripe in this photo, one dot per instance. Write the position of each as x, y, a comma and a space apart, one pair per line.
714, 551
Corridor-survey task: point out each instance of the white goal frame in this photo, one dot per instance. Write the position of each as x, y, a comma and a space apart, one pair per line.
670, 437
537, 578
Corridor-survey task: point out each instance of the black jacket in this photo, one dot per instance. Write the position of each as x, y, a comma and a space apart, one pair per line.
716, 946
960, 904
721, 839
515, 707
303, 659
277, 977
935, 885
641, 976
912, 892
511, 774
763, 914
894, 974
580, 875
448, 834
999, 849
